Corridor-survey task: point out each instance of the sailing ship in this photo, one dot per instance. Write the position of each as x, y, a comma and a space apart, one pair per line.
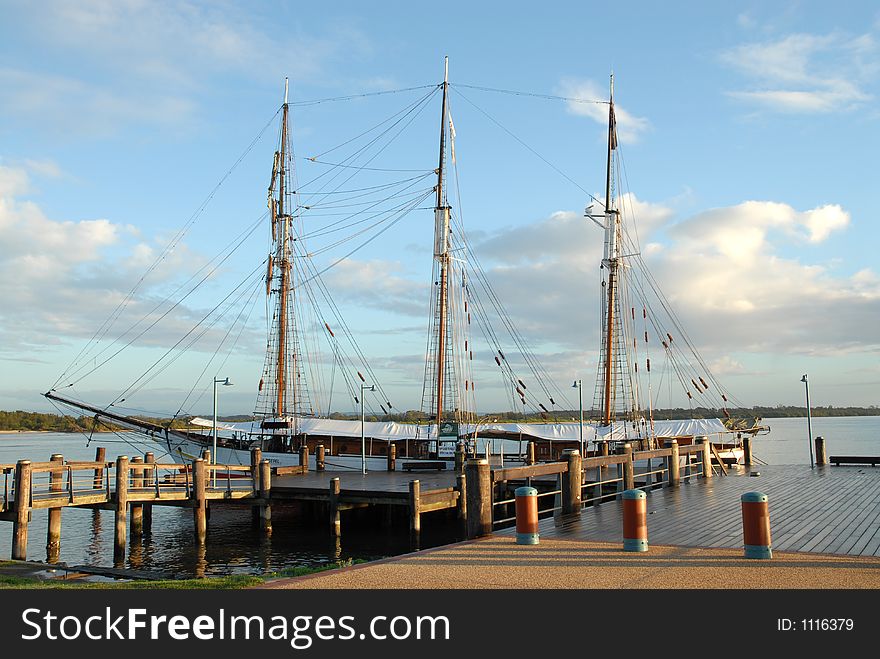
285, 418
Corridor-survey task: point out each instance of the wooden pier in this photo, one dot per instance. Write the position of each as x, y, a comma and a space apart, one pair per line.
131, 487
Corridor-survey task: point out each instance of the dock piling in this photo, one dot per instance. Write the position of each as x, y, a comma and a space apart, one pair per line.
674, 464
461, 504
200, 500
22, 506
304, 456
150, 481
628, 471
821, 455
122, 475
747, 450
137, 509
53, 529
319, 457
100, 456
530, 454
478, 478
460, 457
256, 459
415, 516
265, 493
707, 458
392, 456
335, 522
571, 482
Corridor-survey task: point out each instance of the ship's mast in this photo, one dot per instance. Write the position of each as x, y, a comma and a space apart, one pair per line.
283, 265
610, 261
441, 253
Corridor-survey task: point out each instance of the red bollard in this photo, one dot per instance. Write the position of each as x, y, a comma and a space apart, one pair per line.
756, 525
526, 516
635, 521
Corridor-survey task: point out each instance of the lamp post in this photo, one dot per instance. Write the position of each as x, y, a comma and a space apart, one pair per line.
226, 383
364, 388
579, 386
809, 420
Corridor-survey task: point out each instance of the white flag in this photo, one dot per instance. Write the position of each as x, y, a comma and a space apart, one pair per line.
452, 138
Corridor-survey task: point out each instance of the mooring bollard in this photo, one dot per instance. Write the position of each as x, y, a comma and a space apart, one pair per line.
635, 521
319, 457
526, 516
756, 525
821, 456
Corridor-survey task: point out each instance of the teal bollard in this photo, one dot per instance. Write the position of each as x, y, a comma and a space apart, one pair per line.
635, 521
756, 525
526, 516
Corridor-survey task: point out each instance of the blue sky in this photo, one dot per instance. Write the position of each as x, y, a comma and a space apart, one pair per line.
749, 133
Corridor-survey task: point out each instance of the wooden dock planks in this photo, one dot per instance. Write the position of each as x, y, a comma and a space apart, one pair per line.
821, 510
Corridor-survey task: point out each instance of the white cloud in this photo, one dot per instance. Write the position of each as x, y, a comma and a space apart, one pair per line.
150, 62
60, 279
804, 73
722, 271
629, 126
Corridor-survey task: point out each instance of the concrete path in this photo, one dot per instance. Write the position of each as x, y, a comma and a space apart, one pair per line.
497, 562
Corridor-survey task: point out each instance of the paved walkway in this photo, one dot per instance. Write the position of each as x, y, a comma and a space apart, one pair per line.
825, 526
498, 562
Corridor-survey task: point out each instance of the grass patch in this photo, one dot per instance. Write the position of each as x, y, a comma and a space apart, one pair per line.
232, 581
303, 571
227, 582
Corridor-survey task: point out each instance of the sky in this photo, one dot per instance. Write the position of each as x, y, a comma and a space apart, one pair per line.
749, 132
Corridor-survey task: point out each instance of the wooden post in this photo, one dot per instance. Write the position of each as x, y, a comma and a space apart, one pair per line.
256, 459
601, 471
304, 456
319, 457
821, 456
100, 456
200, 500
122, 474
335, 525
707, 458
460, 458
530, 453
478, 478
461, 507
571, 483
628, 472
206, 456
53, 531
22, 506
674, 477
150, 482
137, 510
392, 456
265, 493
747, 450
415, 516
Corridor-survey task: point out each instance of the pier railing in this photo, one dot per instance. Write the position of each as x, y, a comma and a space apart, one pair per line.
589, 481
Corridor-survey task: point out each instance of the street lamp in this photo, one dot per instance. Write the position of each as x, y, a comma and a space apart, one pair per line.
226, 383
579, 386
809, 420
364, 387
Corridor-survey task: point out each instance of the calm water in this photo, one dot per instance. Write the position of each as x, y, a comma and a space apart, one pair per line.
788, 441
235, 547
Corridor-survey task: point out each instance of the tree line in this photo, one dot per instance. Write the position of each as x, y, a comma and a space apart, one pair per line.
39, 421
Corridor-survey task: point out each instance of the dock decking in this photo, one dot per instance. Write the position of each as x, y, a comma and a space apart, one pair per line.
830, 510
